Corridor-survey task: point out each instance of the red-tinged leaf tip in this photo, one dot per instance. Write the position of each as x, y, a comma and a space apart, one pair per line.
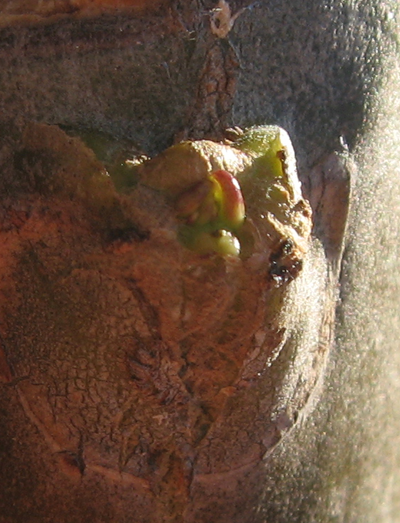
232, 202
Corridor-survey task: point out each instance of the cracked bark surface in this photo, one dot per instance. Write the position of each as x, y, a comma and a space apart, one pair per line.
135, 359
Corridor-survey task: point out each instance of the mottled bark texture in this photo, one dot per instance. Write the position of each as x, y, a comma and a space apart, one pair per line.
143, 383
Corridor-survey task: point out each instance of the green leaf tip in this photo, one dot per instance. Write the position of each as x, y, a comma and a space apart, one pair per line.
230, 199
211, 211
273, 154
220, 242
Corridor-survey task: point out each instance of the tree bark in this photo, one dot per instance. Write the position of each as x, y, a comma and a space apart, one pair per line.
141, 381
